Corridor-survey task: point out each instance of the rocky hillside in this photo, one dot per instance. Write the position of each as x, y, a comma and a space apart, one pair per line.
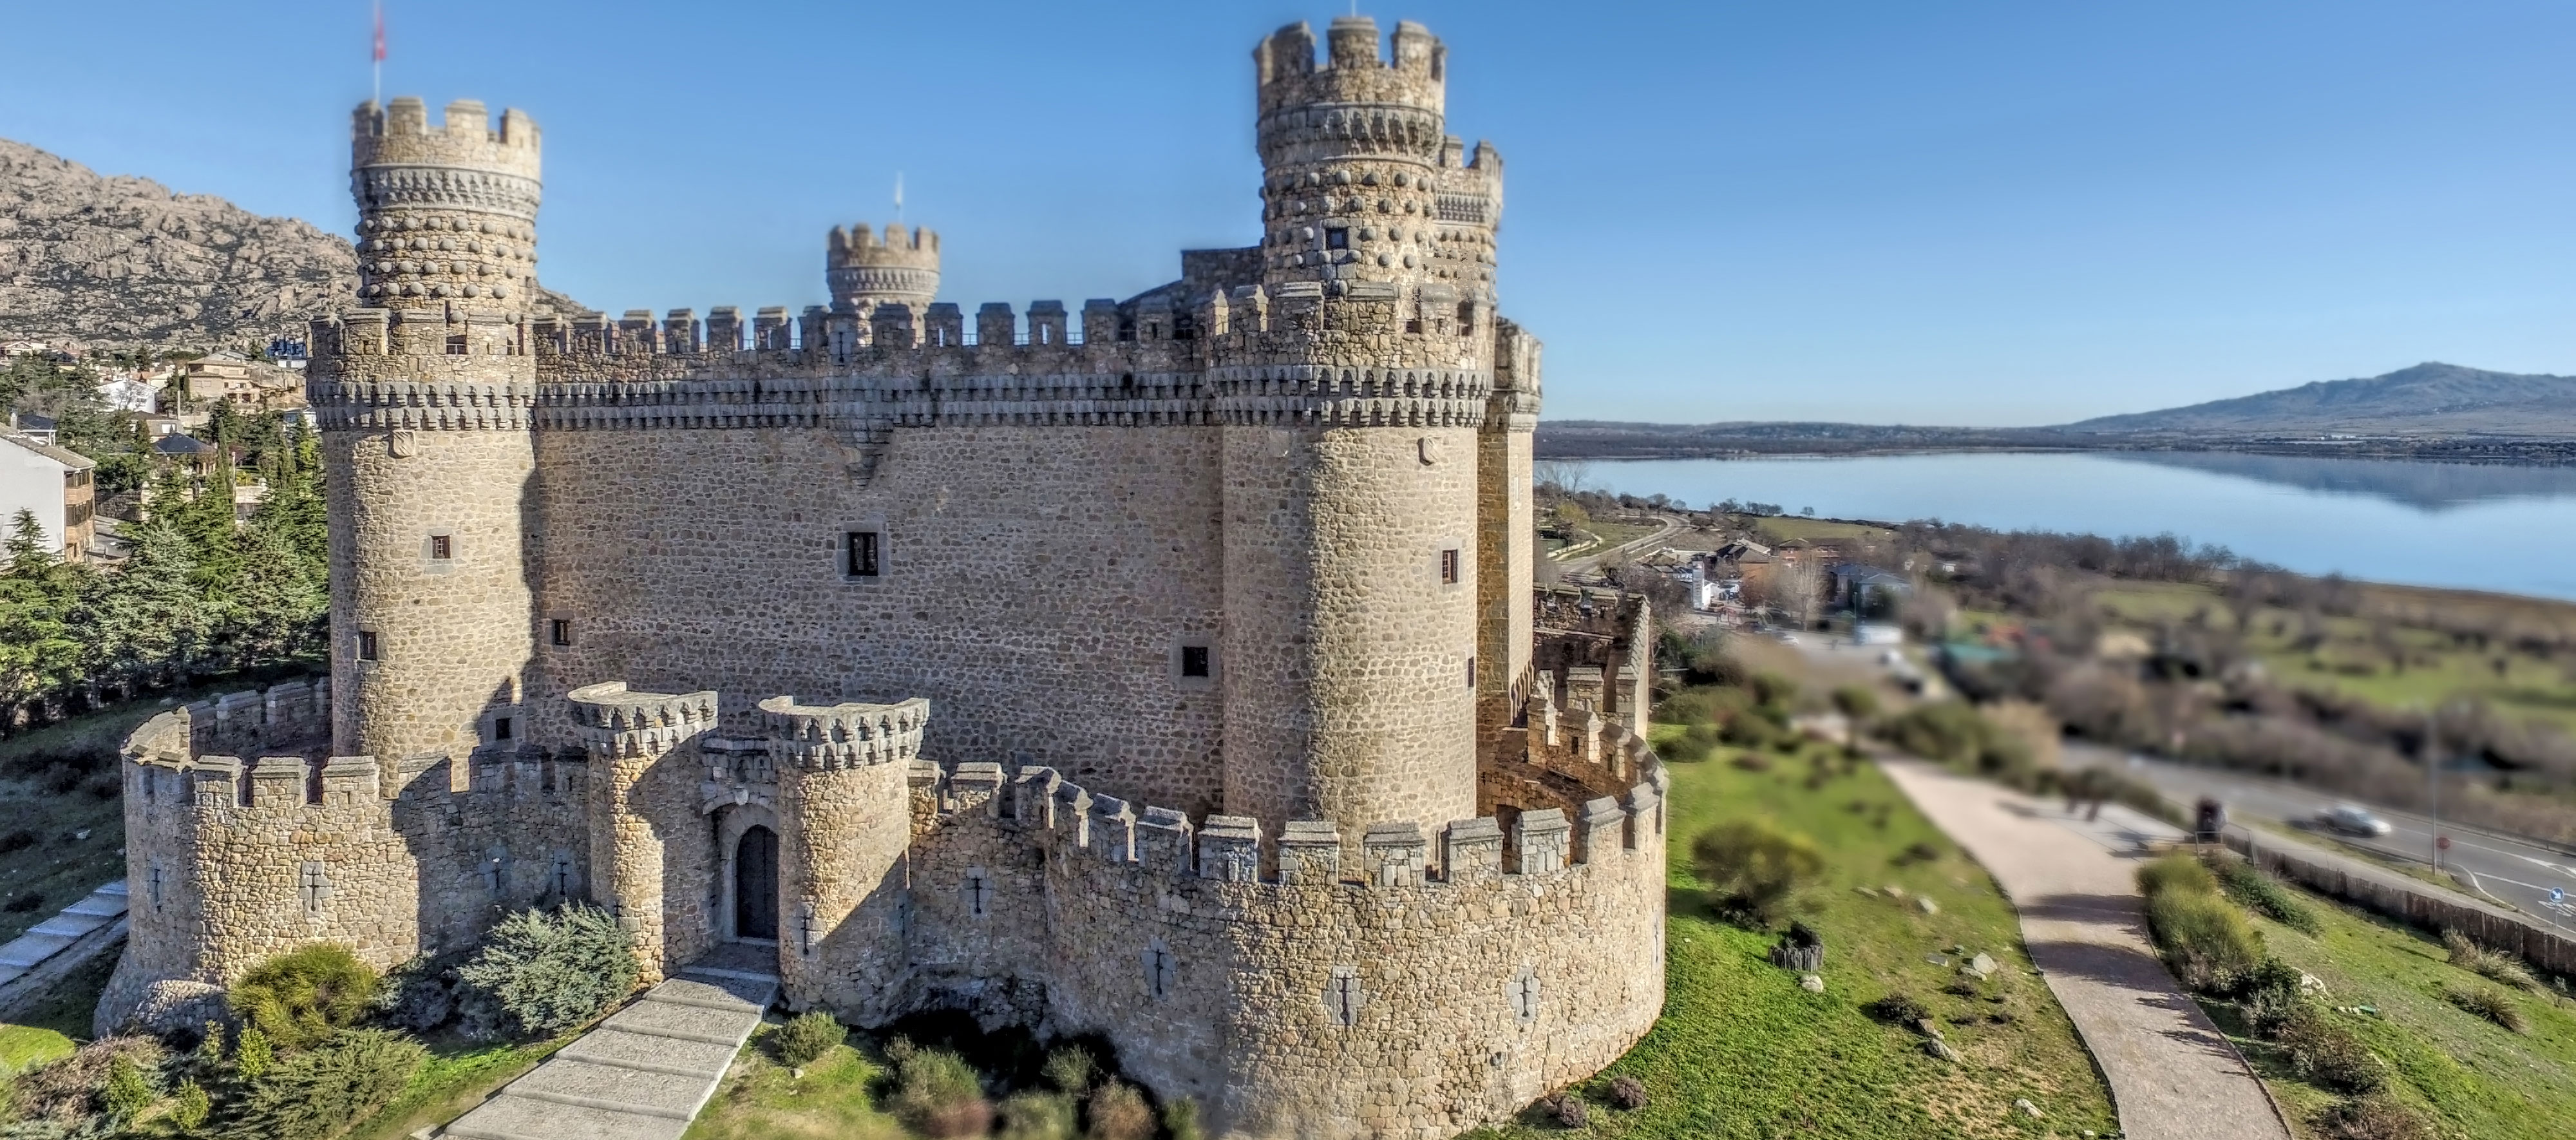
2428, 399
121, 261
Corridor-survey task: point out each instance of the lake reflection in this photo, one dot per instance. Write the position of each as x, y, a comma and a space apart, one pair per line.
2511, 529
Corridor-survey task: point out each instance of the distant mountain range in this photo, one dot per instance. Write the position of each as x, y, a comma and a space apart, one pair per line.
2430, 411
2426, 400
122, 261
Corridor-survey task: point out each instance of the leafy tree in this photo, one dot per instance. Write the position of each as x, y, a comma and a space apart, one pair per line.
149, 619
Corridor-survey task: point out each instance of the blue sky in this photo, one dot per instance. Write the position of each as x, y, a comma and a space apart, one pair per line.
1962, 212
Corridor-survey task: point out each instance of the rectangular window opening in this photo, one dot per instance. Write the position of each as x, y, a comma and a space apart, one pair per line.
1194, 661
500, 728
559, 631
441, 547
1337, 238
366, 645
860, 550
456, 346
1471, 672
1449, 567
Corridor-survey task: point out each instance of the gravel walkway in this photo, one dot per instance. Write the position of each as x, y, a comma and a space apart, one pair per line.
2173, 1076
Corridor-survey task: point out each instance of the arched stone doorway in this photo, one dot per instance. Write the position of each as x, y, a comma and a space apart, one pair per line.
755, 884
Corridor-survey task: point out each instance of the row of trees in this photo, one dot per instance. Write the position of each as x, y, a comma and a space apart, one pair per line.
201, 593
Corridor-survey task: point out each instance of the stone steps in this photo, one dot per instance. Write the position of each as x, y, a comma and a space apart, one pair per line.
98, 909
643, 1074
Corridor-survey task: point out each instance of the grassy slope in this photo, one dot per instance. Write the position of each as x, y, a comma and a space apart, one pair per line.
1743, 1052
761, 1101
62, 866
1781, 528
2480, 1080
457, 1076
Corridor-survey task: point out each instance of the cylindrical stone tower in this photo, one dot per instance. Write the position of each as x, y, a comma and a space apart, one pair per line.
1351, 454
423, 398
845, 834
865, 270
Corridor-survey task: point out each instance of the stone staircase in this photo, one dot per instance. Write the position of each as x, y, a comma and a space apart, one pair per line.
643, 1074
35, 959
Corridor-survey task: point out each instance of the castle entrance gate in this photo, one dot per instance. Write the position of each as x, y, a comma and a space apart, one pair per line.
755, 884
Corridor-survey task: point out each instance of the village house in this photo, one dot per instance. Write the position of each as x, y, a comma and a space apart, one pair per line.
52, 484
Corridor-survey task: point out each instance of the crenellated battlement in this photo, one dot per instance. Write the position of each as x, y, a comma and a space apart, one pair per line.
1040, 802
400, 133
625, 722
844, 735
1353, 72
866, 270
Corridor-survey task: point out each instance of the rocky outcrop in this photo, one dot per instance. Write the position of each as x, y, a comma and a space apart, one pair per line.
117, 261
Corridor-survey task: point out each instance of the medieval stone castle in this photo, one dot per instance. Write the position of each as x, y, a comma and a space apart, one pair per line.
1174, 675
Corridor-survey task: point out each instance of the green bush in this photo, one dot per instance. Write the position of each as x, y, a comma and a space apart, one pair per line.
252, 1054
1071, 1069
189, 1106
1119, 1112
936, 1094
129, 1091
302, 996
1897, 1009
2176, 872
1754, 870
322, 1090
1181, 1120
1035, 1115
1948, 731
548, 971
2487, 1002
2271, 995
2205, 939
807, 1037
2256, 891
2328, 1055
68, 1091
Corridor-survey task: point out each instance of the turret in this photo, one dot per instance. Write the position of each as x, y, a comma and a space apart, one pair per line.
867, 271
424, 396
1351, 638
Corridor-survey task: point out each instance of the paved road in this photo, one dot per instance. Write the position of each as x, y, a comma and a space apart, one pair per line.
2520, 873
1670, 525
2172, 1075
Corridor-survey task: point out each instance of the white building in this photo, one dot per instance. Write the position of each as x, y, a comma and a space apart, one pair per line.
128, 394
51, 483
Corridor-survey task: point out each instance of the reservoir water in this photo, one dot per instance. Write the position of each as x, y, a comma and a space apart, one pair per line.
2469, 526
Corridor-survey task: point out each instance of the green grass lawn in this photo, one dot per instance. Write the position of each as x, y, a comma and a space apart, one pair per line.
1742, 1051
458, 1075
1781, 528
2479, 1080
762, 1101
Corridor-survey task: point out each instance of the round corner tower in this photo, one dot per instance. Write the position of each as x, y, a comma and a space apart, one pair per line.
1351, 455
423, 395
865, 269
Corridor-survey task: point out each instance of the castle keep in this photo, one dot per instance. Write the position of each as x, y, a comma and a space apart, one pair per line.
1168, 669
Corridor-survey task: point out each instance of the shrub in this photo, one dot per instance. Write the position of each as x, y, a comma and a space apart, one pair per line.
1034, 1115
2371, 1118
2495, 966
807, 1037
1897, 1009
128, 1091
419, 995
936, 1094
21, 904
2174, 872
1752, 762
1569, 1110
1753, 869
1627, 1093
2487, 1002
2271, 995
549, 971
1071, 1069
2205, 939
320, 1091
2250, 887
1119, 1112
252, 1054
66, 1091
17, 841
1947, 731
302, 996
189, 1106
2328, 1055
1181, 1120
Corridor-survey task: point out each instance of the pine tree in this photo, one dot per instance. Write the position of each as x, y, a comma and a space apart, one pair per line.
39, 657
147, 619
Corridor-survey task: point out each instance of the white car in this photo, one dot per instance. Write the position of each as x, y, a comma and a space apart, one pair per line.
2347, 819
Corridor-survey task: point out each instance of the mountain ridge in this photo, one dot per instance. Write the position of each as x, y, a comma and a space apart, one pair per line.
2432, 398
112, 261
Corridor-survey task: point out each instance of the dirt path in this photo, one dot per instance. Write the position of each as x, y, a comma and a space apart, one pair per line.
2172, 1075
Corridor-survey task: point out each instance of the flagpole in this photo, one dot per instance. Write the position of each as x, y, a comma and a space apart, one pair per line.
377, 54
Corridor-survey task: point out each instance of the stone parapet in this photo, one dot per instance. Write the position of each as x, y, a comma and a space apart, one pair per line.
626, 722
844, 735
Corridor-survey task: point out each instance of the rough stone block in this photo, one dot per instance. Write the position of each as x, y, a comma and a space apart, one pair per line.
1393, 854
1230, 849
1471, 850
1310, 852
1541, 836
